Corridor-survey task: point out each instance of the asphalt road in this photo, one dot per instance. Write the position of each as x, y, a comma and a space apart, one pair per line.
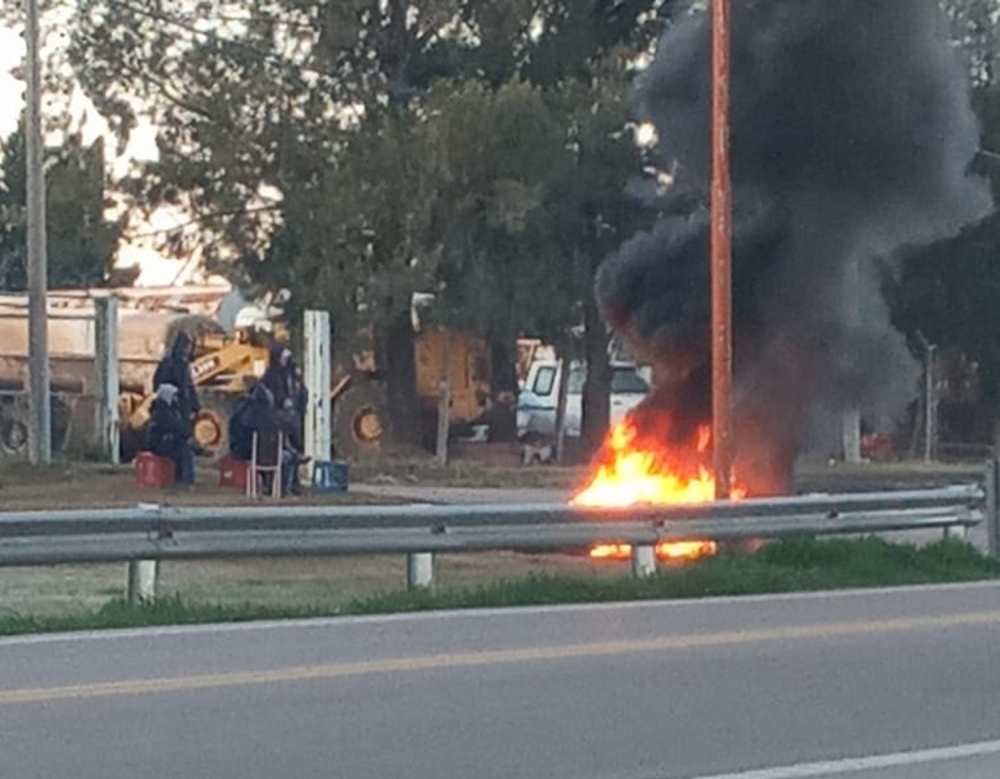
881, 685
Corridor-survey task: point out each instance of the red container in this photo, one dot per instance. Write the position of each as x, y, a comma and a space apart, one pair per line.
233, 473
153, 471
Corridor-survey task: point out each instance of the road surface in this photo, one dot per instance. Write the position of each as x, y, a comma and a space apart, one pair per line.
876, 685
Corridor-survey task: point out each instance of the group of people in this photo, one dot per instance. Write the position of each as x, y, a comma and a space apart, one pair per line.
274, 405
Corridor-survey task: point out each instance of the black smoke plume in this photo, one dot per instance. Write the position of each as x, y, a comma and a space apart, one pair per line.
852, 135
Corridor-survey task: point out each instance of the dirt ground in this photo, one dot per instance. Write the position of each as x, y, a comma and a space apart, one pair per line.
327, 582
330, 582
77, 484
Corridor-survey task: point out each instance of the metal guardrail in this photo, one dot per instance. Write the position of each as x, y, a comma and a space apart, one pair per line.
145, 534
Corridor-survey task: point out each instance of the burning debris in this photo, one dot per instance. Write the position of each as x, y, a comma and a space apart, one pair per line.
852, 135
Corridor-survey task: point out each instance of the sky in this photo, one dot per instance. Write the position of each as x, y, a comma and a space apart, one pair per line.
11, 90
155, 269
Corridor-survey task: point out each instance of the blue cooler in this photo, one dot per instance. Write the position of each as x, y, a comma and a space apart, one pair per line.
330, 476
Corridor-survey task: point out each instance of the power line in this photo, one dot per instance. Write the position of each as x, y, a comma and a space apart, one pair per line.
263, 54
134, 236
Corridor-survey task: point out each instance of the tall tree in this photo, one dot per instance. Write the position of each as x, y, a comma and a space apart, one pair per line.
81, 241
355, 153
949, 293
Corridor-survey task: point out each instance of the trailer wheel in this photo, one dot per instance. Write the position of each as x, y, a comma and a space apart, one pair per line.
15, 419
13, 432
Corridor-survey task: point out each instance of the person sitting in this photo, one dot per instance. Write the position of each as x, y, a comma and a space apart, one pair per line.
256, 413
169, 434
241, 427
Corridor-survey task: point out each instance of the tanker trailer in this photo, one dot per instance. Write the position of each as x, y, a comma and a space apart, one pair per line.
221, 368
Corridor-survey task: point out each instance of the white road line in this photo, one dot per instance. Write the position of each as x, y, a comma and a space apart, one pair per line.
834, 768
485, 613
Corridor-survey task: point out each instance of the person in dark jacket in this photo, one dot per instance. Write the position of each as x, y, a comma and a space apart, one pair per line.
283, 380
280, 376
241, 429
255, 413
169, 433
175, 369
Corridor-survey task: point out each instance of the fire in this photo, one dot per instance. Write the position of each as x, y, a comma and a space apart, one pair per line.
633, 471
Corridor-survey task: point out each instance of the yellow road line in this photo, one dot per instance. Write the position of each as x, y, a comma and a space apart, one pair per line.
489, 658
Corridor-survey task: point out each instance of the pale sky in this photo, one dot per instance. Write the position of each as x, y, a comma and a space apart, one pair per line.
11, 54
156, 270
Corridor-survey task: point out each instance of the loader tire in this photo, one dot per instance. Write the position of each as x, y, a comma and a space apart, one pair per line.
211, 425
361, 424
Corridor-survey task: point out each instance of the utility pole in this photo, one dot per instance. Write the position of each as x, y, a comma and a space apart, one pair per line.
850, 420
721, 251
40, 438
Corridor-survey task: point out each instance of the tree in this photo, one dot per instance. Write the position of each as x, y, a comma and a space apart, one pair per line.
949, 292
81, 241
974, 24
356, 153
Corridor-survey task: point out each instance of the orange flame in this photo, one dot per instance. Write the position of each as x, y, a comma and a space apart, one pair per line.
634, 472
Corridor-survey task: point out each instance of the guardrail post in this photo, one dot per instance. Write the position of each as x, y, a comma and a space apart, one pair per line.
142, 576
993, 506
956, 532
643, 561
420, 571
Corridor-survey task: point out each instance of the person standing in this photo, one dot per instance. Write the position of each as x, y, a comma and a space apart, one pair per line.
175, 369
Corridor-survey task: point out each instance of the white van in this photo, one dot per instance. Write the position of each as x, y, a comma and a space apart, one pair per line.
537, 401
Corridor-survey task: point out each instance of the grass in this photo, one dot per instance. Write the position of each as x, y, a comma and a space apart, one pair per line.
784, 566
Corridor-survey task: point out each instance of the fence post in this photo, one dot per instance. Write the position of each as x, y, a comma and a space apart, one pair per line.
317, 380
106, 380
420, 571
142, 577
993, 506
643, 561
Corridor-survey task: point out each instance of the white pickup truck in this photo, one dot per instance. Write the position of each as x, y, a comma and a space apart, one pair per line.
537, 400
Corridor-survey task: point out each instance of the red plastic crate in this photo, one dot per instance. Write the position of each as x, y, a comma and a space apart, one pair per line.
153, 471
233, 473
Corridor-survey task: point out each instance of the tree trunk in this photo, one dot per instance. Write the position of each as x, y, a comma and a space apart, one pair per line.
597, 388
502, 417
564, 367
398, 369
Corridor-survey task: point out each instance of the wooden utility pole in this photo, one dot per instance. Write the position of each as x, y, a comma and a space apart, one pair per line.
40, 438
721, 251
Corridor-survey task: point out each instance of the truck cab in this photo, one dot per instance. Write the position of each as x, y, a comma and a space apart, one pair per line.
539, 396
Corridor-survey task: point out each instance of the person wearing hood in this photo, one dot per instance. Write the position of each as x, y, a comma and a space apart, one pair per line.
279, 377
175, 369
169, 433
283, 380
256, 413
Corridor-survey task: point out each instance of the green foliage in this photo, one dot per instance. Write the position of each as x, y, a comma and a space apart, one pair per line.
949, 292
974, 24
784, 566
415, 147
81, 242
